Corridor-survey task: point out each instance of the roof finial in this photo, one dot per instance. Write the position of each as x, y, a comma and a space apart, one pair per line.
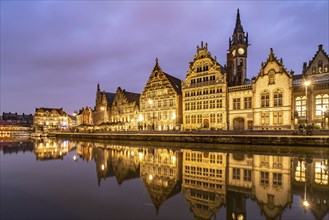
156, 61
271, 56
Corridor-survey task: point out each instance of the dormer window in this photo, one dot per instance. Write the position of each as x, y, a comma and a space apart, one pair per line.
320, 64
271, 77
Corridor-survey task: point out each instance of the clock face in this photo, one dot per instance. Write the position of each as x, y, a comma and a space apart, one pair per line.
233, 53
241, 51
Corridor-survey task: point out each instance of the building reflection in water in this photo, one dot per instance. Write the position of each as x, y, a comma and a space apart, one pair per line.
209, 180
50, 149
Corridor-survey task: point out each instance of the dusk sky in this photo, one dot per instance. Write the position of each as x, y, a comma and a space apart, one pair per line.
53, 53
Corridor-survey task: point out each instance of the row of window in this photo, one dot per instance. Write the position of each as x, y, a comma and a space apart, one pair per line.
236, 174
198, 119
203, 92
158, 103
277, 118
277, 99
247, 103
202, 69
203, 79
265, 179
205, 172
197, 157
321, 104
203, 184
207, 104
320, 69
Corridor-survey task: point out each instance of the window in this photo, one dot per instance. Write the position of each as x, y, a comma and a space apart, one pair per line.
193, 117
326, 68
321, 176
187, 119
264, 178
219, 103
321, 102
320, 66
187, 106
164, 103
247, 175
199, 105
313, 70
300, 103
205, 104
277, 98
236, 173
265, 118
212, 104
199, 119
277, 162
271, 77
171, 102
247, 102
192, 105
212, 118
265, 99
277, 179
219, 118
277, 118
300, 172
264, 161
236, 103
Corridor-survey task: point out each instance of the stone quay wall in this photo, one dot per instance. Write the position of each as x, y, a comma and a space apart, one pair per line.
255, 139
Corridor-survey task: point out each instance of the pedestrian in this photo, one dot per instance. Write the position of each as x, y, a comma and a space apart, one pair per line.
301, 128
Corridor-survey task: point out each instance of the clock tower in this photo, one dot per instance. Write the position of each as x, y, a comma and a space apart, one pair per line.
237, 55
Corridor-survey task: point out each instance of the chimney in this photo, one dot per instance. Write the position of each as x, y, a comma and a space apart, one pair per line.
320, 46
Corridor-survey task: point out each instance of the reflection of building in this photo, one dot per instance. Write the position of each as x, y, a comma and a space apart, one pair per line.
15, 147
125, 110
311, 181
51, 119
103, 164
103, 105
85, 150
239, 188
272, 184
204, 182
204, 92
49, 149
317, 101
161, 101
160, 170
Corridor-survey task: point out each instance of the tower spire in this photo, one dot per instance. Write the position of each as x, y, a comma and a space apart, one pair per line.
238, 26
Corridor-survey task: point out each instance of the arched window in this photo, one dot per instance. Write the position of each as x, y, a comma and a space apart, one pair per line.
277, 97
271, 77
321, 102
320, 66
300, 104
265, 99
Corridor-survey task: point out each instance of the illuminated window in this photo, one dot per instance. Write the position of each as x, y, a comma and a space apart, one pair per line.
205, 104
313, 70
192, 105
326, 68
199, 105
171, 102
277, 162
193, 118
187, 119
187, 106
264, 160
219, 103
277, 98
300, 104
265, 99
199, 119
212, 104
321, 102
320, 66
300, 172
321, 175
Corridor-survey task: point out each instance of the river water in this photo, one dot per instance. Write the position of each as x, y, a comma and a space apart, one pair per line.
75, 179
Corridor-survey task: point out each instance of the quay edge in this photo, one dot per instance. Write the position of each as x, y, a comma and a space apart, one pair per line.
287, 140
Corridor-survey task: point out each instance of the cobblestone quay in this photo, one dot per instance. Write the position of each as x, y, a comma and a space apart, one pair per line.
250, 138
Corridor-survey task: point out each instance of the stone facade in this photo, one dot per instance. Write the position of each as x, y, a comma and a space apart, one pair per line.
51, 119
103, 105
85, 116
125, 110
161, 101
204, 93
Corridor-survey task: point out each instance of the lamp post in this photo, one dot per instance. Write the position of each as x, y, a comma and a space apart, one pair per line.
151, 105
306, 84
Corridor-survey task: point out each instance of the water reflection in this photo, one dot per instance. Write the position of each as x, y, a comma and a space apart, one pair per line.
208, 180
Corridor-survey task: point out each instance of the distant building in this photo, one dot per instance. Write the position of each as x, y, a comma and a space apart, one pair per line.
102, 110
17, 119
51, 119
85, 116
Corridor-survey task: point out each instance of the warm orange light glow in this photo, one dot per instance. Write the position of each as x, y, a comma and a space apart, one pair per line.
307, 83
306, 204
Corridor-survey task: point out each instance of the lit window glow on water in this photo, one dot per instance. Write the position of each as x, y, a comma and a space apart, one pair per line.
61, 179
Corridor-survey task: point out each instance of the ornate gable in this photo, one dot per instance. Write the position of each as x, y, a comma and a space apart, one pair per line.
319, 63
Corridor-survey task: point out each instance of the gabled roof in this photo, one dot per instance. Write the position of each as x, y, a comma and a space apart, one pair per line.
175, 82
60, 111
132, 97
109, 97
320, 49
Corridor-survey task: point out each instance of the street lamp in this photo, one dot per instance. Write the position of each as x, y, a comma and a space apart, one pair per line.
306, 84
151, 105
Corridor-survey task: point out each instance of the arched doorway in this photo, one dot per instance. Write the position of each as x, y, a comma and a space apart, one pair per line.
238, 124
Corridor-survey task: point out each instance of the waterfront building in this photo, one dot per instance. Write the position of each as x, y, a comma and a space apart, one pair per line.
26, 120
102, 110
125, 110
311, 91
161, 101
51, 119
84, 116
204, 93
272, 96
204, 182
